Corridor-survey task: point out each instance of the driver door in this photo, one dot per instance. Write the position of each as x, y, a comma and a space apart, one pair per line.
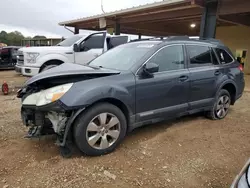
165, 93
90, 48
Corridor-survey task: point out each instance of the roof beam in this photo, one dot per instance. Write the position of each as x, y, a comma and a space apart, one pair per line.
170, 29
234, 7
165, 5
200, 3
163, 16
238, 20
150, 30
144, 32
191, 19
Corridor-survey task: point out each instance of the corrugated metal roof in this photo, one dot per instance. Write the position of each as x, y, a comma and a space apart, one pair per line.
132, 9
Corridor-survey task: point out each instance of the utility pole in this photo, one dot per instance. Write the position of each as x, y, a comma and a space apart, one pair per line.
102, 6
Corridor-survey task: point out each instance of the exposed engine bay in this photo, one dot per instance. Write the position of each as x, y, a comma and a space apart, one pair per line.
44, 123
42, 110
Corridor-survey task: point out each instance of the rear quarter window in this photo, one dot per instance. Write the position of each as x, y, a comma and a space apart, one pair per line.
223, 56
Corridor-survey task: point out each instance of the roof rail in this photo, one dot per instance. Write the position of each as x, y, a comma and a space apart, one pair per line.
135, 40
185, 37
212, 40
146, 39
164, 38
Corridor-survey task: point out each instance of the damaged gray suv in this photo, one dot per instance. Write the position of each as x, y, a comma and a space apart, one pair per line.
138, 83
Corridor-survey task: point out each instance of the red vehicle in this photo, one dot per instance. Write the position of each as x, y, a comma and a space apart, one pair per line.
8, 57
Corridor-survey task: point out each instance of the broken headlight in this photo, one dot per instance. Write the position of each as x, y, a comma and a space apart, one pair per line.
47, 96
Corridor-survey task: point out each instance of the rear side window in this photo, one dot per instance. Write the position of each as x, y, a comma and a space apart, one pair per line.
223, 56
199, 55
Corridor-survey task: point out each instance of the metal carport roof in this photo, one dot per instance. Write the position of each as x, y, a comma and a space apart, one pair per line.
167, 17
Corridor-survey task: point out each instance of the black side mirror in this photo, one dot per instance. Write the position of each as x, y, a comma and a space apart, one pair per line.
76, 48
151, 68
148, 69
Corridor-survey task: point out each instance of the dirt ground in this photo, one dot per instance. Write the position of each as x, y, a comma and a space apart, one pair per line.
188, 152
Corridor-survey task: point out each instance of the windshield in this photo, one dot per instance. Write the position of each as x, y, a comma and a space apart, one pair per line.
122, 57
70, 41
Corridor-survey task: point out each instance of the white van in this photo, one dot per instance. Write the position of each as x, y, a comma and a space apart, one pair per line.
77, 49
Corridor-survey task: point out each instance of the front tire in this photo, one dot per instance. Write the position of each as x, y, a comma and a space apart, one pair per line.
221, 106
100, 129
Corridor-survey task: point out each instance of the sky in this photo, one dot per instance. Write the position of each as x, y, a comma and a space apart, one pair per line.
41, 17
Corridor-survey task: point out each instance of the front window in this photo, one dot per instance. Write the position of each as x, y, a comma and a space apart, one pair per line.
122, 57
70, 41
169, 58
93, 42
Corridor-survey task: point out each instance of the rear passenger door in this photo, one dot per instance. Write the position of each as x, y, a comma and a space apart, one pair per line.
205, 72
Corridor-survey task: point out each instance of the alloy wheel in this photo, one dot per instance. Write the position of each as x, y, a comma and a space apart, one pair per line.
223, 106
103, 131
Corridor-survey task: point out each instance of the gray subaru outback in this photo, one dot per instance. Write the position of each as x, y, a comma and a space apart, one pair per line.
138, 83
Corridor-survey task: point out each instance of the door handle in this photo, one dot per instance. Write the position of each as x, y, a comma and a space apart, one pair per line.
183, 78
217, 73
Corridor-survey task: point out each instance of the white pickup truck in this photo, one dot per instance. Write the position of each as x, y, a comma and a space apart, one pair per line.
77, 49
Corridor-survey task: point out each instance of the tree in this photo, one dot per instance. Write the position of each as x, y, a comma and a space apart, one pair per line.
12, 38
3, 37
15, 38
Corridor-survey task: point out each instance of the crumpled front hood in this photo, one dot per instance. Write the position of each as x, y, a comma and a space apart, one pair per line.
68, 70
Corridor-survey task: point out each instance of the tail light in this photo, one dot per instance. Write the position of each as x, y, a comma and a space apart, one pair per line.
241, 67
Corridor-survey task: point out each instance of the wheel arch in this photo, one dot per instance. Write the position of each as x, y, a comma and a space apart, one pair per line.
51, 62
116, 102
231, 87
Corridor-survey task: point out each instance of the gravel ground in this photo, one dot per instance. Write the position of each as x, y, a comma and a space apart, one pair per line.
187, 152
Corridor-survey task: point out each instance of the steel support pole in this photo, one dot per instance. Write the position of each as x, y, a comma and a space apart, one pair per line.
208, 20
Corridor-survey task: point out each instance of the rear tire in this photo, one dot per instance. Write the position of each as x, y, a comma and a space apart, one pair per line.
221, 106
100, 129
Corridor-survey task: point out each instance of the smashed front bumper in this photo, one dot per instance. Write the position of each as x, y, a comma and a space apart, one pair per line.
44, 120
53, 118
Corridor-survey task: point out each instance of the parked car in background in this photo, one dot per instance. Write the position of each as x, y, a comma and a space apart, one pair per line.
242, 180
8, 57
129, 86
78, 49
